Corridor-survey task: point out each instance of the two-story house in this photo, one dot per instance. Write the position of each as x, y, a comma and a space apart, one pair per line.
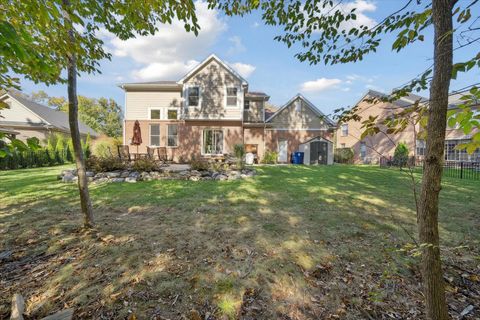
211, 109
373, 147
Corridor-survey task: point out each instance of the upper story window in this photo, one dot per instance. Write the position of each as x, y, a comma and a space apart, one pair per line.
298, 105
193, 96
155, 114
246, 105
344, 129
232, 97
172, 114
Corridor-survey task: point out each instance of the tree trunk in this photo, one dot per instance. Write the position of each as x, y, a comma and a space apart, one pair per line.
436, 307
74, 131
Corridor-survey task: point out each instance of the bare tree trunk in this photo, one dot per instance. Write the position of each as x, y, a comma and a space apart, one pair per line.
436, 307
75, 133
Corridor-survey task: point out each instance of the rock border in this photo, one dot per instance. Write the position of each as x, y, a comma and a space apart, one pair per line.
132, 176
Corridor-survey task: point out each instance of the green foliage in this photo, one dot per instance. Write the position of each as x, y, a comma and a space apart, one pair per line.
106, 147
343, 155
30, 33
99, 164
145, 165
68, 153
200, 165
270, 157
400, 156
239, 151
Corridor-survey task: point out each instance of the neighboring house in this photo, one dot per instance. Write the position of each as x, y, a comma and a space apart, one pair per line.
372, 148
211, 109
25, 119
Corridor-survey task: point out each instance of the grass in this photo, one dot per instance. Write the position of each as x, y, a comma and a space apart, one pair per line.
312, 242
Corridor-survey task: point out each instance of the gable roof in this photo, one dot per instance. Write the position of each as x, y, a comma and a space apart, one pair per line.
49, 116
403, 102
310, 105
167, 84
207, 60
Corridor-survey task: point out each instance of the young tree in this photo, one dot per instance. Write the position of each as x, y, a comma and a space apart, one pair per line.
323, 29
40, 39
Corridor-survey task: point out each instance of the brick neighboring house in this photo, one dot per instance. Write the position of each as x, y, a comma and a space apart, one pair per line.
211, 109
372, 148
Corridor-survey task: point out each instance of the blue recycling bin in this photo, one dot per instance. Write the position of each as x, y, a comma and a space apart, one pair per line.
297, 158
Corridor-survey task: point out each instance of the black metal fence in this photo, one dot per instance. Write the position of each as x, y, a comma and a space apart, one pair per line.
462, 170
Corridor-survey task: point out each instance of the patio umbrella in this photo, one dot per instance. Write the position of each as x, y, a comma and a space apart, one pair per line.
137, 135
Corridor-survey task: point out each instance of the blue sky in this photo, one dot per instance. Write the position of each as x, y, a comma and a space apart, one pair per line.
269, 66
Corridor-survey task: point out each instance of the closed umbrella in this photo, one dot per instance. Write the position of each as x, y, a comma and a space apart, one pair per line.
137, 135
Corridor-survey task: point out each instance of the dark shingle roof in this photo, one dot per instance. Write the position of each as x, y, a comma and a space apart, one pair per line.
256, 94
57, 119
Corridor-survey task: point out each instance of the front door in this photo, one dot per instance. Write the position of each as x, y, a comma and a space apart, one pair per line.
282, 150
318, 152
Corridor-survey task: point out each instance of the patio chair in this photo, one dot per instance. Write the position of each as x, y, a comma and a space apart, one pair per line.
151, 153
162, 154
124, 153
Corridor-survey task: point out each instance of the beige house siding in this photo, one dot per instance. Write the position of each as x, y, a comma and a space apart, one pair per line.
138, 103
18, 113
256, 111
213, 80
291, 118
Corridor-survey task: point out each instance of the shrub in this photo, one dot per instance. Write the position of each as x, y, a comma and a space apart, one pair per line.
99, 164
270, 157
105, 147
239, 151
400, 156
145, 165
200, 165
343, 155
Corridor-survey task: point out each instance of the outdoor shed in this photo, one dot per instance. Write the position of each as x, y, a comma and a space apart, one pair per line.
317, 151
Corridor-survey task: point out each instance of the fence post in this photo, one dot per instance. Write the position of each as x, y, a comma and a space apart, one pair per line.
461, 170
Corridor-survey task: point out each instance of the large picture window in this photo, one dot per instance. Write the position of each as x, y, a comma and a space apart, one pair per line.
172, 139
155, 135
212, 141
193, 96
232, 97
454, 154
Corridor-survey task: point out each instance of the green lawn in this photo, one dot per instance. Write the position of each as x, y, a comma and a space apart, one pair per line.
291, 243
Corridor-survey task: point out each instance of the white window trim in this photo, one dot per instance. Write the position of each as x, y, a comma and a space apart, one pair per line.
186, 88
150, 109
223, 142
239, 95
178, 140
172, 109
150, 134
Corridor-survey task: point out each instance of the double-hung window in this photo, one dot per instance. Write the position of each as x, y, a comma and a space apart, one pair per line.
193, 96
155, 135
172, 138
212, 142
421, 146
232, 96
344, 129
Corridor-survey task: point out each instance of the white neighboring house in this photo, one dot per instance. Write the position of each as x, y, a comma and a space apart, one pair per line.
25, 119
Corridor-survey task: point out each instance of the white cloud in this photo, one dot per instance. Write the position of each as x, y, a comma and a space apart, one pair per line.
319, 85
244, 69
362, 7
172, 51
237, 45
255, 24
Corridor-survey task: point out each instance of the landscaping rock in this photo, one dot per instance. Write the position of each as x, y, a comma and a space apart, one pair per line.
90, 174
117, 179
131, 179
125, 174
100, 180
134, 174
68, 178
113, 174
195, 178
221, 177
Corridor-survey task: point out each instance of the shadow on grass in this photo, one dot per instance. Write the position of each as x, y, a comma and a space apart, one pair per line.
162, 248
